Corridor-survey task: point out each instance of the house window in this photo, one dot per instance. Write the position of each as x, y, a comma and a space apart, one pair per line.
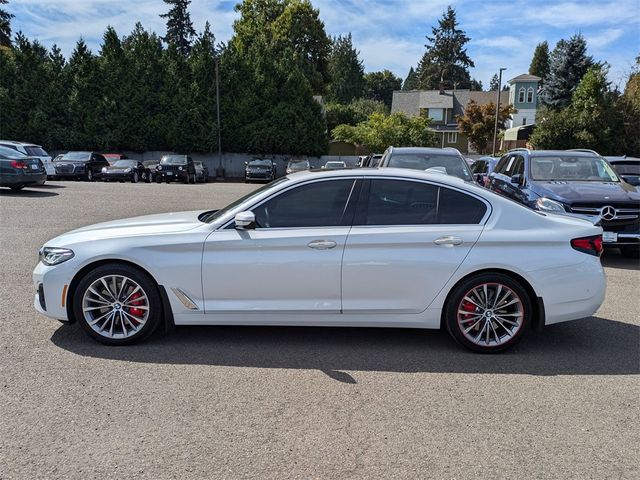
530, 95
436, 114
521, 94
524, 121
452, 137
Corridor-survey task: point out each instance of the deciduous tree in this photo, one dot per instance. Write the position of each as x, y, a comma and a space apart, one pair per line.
380, 86
478, 123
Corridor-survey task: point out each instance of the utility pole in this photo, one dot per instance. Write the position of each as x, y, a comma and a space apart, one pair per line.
495, 128
220, 169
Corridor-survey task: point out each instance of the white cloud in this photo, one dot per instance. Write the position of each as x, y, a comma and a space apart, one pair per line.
604, 38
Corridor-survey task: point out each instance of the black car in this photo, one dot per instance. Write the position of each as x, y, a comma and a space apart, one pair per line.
18, 171
80, 165
626, 167
176, 168
202, 172
125, 171
260, 169
448, 161
575, 182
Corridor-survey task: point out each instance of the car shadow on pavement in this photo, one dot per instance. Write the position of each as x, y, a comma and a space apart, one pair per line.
5, 192
594, 346
51, 186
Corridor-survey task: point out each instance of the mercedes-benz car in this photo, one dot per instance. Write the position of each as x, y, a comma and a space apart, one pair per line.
578, 182
18, 170
371, 248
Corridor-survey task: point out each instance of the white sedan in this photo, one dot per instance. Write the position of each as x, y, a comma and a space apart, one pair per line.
377, 248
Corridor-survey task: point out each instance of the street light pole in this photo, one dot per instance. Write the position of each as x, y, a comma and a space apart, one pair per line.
495, 128
219, 170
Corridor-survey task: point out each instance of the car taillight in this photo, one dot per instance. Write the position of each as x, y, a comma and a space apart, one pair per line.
18, 164
591, 245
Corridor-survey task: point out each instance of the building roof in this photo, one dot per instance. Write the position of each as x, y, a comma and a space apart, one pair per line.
435, 99
525, 77
482, 98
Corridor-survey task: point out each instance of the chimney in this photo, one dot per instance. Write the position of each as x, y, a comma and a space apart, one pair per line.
441, 88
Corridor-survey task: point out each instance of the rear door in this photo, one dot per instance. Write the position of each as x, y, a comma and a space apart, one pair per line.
408, 239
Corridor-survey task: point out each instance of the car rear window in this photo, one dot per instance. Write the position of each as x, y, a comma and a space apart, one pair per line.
36, 151
449, 164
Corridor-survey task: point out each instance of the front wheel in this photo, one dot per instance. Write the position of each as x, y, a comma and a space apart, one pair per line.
117, 304
488, 313
89, 176
135, 178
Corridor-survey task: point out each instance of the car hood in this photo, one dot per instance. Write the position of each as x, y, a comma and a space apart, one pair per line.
70, 162
572, 192
174, 222
118, 169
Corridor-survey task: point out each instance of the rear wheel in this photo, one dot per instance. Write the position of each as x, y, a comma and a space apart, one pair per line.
16, 188
488, 313
117, 304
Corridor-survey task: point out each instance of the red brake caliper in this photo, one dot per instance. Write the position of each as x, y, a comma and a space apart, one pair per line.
468, 307
136, 312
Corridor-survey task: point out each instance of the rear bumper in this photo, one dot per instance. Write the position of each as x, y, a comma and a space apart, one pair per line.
23, 179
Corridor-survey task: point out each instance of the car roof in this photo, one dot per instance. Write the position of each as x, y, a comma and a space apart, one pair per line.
573, 153
22, 144
402, 173
445, 151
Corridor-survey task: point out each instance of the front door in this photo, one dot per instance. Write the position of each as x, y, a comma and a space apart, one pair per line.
290, 262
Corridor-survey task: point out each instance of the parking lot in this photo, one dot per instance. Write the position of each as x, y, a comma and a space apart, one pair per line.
252, 402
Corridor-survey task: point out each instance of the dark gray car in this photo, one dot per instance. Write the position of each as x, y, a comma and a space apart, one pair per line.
18, 171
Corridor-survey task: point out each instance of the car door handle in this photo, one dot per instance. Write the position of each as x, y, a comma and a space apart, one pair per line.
322, 244
448, 240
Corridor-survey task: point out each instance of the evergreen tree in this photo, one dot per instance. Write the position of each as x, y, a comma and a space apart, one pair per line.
474, 85
175, 96
446, 59
57, 100
7, 85
493, 84
180, 30
569, 62
412, 81
346, 71
540, 61
5, 26
381, 85
114, 74
202, 63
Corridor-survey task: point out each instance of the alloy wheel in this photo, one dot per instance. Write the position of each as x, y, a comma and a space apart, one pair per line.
490, 314
115, 306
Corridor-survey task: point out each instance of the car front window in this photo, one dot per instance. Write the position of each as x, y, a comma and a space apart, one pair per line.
173, 160
76, 157
568, 168
452, 165
125, 163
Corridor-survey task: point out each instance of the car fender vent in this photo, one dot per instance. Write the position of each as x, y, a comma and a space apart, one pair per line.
185, 299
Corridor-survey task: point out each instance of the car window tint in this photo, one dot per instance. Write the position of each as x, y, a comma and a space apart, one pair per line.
398, 202
319, 204
502, 164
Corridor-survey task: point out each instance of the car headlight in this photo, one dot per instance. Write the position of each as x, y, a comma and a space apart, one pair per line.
548, 205
159, 167
104, 169
54, 256
180, 168
127, 170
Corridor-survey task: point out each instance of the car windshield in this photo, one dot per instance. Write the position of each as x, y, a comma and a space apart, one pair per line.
219, 213
148, 163
334, 164
124, 163
75, 157
260, 163
303, 165
36, 151
449, 164
567, 167
173, 160
10, 152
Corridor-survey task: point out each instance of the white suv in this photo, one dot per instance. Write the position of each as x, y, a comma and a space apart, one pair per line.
32, 150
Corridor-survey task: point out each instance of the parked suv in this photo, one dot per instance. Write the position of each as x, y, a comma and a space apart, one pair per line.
174, 168
442, 160
260, 169
80, 165
573, 181
32, 150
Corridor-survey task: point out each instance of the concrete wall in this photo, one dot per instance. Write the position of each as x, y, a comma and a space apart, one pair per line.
233, 163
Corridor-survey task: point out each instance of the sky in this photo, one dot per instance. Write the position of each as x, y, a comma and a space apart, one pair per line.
388, 33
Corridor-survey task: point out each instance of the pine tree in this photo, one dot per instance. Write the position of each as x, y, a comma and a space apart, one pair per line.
114, 73
411, 82
446, 59
5, 26
569, 62
381, 85
540, 61
346, 71
57, 100
494, 83
180, 30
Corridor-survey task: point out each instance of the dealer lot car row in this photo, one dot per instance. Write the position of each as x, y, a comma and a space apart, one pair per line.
370, 247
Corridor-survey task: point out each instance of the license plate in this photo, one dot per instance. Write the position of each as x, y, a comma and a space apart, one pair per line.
169, 173
34, 167
609, 237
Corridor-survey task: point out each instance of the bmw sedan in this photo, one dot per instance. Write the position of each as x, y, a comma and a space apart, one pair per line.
372, 248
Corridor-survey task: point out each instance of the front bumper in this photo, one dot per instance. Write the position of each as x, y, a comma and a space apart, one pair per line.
106, 176
171, 176
51, 284
259, 176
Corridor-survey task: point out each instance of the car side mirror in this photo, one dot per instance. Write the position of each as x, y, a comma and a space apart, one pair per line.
518, 180
245, 220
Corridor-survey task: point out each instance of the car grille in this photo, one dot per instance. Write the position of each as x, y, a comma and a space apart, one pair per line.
615, 216
173, 168
64, 168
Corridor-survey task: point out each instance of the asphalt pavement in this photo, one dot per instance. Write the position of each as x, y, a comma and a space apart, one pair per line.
273, 402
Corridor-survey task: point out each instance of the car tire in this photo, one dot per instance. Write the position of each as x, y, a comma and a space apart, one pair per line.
135, 177
16, 188
89, 177
141, 317
487, 327
630, 252
147, 177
